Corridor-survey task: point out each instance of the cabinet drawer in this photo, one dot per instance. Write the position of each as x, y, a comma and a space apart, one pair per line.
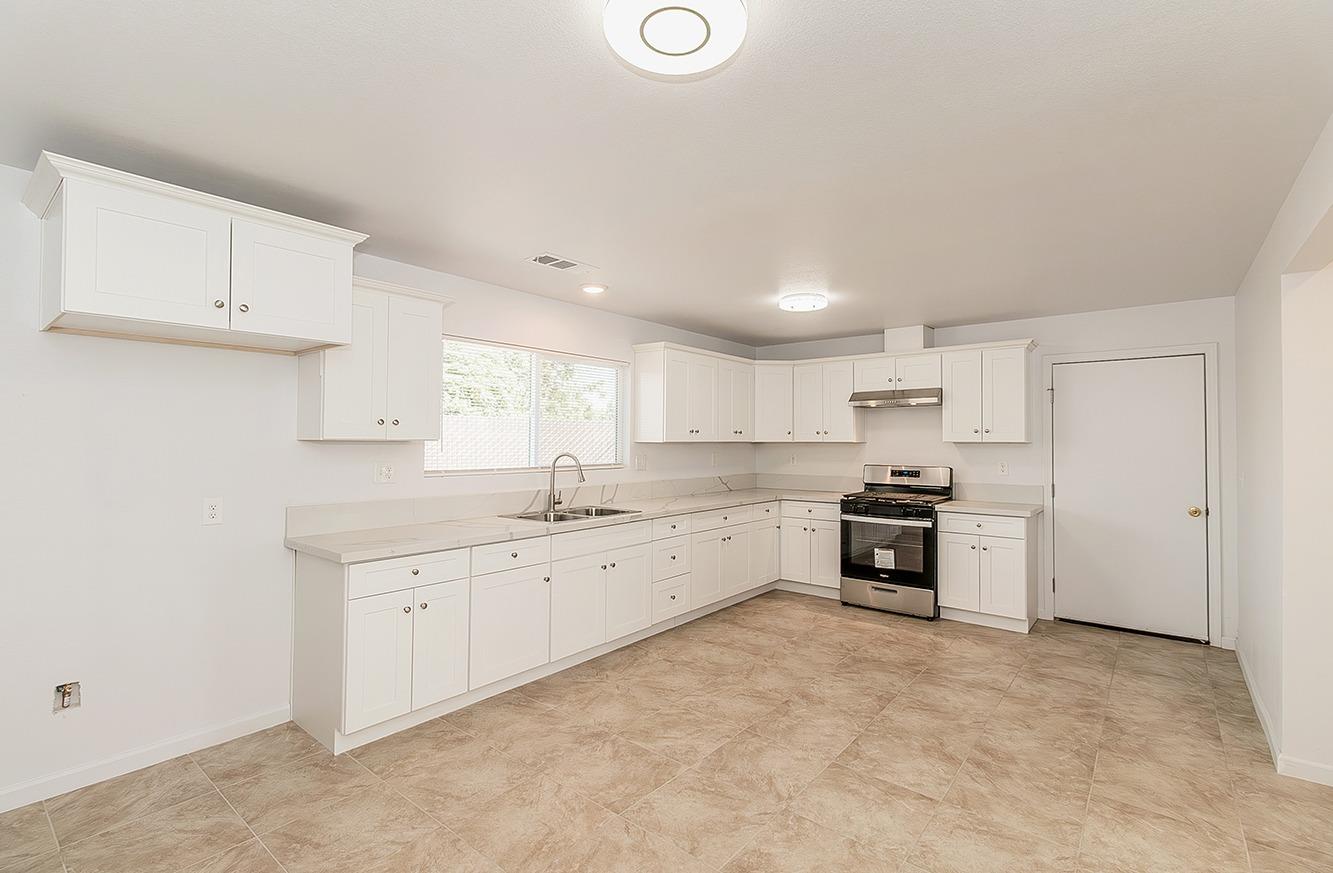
601, 539
671, 598
508, 555
765, 511
982, 525
670, 527
671, 558
716, 518
379, 577
810, 511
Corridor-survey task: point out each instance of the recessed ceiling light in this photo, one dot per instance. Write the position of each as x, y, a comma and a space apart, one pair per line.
675, 37
805, 301
594, 289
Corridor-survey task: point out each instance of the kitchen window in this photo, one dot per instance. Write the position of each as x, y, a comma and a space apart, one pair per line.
509, 408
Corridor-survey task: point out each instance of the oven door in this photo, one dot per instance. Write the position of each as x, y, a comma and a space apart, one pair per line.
897, 550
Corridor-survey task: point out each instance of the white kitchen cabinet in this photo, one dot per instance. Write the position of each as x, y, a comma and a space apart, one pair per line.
736, 560
629, 590
735, 401
578, 605
440, 641
384, 385
676, 395
795, 549
1003, 577
765, 555
959, 571
825, 554
511, 624
808, 402
874, 374
918, 371
706, 567
379, 659
819, 397
985, 395
133, 257
773, 403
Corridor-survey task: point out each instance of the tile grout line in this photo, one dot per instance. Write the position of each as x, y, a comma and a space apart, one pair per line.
234, 812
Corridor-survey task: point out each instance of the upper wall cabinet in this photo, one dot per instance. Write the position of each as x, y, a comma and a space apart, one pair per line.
685, 396
384, 385
129, 256
986, 395
773, 403
820, 392
894, 373
735, 402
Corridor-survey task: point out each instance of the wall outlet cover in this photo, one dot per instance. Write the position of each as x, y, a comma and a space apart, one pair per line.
212, 513
384, 473
1004, 468
640, 462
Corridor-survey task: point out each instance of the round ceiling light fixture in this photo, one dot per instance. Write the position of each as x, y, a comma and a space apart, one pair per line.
594, 289
804, 301
675, 37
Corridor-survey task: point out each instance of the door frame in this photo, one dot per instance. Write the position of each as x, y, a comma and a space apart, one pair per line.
1212, 458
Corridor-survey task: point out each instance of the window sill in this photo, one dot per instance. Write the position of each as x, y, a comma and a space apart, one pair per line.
450, 474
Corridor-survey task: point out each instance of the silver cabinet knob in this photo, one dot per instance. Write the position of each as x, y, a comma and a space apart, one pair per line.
805, 528
513, 554
987, 430
381, 421
603, 566
974, 548
673, 597
395, 422
218, 304
825, 433
985, 548
900, 378
808, 511
424, 605
978, 524
673, 557
546, 578
244, 307
416, 572
788, 433
724, 518
673, 527
613, 565
975, 430
407, 609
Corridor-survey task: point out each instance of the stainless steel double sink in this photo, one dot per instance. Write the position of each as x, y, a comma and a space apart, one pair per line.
574, 513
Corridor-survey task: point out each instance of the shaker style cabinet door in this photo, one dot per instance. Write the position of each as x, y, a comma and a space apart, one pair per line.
1004, 577
286, 284
355, 379
918, 371
578, 604
379, 660
808, 403
773, 403
511, 624
826, 554
440, 642
629, 590
706, 575
959, 571
1004, 406
795, 543
840, 420
415, 348
764, 552
962, 396
702, 398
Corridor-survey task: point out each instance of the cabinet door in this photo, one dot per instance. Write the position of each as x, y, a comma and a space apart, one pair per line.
415, 370
742, 402
511, 624
825, 554
841, 422
959, 571
962, 396
736, 560
288, 284
1004, 577
918, 371
578, 604
874, 374
773, 403
138, 256
379, 660
629, 590
702, 398
356, 377
808, 402
795, 542
764, 557
1004, 406
439, 642
706, 572
676, 396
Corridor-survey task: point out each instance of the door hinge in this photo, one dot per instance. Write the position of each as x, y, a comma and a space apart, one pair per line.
1052, 583
1052, 490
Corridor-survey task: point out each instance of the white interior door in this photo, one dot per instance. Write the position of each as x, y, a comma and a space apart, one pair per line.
1129, 459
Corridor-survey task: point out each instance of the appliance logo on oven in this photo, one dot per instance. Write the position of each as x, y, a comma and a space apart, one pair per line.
884, 559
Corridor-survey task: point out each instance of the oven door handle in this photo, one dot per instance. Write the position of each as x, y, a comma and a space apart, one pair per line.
896, 522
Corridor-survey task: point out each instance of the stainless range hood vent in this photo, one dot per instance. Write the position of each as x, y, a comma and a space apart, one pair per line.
910, 398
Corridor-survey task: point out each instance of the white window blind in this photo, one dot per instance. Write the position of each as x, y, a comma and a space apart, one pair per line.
508, 408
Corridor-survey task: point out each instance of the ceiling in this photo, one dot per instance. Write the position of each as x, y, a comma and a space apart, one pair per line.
937, 162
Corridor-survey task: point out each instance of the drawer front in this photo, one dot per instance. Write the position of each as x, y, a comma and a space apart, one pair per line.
716, 518
671, 598
586, 542
397, 574
765, 511
810, 511
982, 525
663, 528
671, 558
509, 555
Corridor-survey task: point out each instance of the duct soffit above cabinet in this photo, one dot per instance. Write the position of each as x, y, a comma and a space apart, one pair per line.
1027, 344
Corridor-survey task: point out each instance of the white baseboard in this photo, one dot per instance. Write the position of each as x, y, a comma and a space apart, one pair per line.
1265, 720
14, 796
1226, 643
999, 622
804, 588
1310, 771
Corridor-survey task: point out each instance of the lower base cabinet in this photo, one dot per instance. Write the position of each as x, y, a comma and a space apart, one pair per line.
629, 591
379, 659
764, 552
511, 624
600, 597
812, 552
441, 618
985, 573
720, 562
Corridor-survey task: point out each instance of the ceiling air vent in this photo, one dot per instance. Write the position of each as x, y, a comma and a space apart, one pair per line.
555, 262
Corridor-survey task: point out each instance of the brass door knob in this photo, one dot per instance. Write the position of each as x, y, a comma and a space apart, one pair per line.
1195, 512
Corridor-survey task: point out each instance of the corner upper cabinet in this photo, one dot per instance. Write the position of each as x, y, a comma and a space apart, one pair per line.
684, 395
384, 385
986, 394
132, 257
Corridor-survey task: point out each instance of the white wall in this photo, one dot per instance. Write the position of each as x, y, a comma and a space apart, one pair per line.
1266, 648
180, 633
912, 436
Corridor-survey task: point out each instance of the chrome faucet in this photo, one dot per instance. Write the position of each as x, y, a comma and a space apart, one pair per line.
554, 500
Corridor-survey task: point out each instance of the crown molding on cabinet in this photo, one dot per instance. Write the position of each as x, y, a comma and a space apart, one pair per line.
401, 290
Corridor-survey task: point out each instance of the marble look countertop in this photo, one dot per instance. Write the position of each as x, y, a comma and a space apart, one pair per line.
985, 507
356, 546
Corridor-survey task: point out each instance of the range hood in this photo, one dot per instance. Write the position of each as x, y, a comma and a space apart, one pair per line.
910, 398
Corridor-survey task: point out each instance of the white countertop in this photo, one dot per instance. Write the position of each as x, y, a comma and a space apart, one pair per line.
352, 547
983, 507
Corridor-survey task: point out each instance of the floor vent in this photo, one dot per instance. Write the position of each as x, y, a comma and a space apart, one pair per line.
555, 262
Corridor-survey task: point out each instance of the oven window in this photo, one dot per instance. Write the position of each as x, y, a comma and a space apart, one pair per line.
883, 547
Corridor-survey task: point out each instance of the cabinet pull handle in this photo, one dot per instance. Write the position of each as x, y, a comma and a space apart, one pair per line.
985, 548
974, 548
513, 554
416, 572
244, 307
673, 597
381, 421
219, 303
673, 557
407, 609
788, 433
974, 430
613, 565
603, 566
424, 605
987, 430
395, 422
978, 524
546, 578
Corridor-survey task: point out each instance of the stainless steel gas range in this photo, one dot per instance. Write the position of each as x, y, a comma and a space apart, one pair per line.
888, 539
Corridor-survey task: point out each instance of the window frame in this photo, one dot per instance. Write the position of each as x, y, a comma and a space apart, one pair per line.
539, 353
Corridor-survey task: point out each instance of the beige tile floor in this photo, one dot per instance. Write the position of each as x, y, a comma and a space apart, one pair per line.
784, 734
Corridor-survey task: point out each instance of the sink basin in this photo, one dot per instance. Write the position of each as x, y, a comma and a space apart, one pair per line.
597, 511
548, 517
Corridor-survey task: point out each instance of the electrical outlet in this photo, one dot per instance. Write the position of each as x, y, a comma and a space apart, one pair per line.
68, 696
384, 473
793, 460
640, 462
1004, 468
212, 510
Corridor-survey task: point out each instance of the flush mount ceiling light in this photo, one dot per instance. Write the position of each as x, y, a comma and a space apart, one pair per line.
805, 301
675, 37
594, 289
